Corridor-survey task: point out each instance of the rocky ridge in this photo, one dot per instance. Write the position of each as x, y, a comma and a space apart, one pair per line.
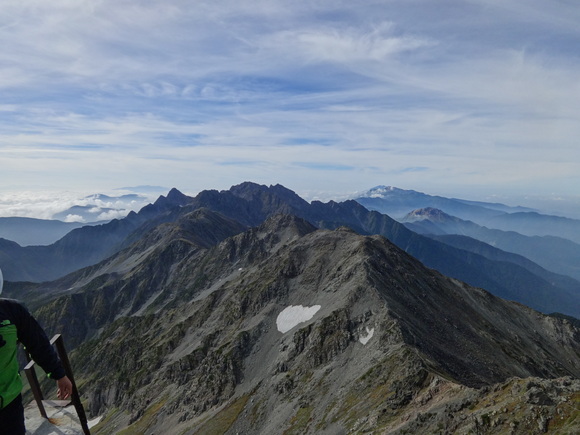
393, 348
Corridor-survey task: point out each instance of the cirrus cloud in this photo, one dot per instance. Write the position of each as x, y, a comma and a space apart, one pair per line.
320, 96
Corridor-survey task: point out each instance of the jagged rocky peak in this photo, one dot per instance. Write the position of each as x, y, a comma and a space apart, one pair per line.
174, 197
427, 213
250, 191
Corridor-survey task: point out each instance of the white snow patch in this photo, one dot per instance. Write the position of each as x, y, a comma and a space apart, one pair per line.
293, 315
365, 340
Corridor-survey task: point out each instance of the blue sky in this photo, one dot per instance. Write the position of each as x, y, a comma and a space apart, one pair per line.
465, 98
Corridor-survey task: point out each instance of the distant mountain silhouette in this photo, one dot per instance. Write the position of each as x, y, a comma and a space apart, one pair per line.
29, 231
553, 253
398, 202
532, 223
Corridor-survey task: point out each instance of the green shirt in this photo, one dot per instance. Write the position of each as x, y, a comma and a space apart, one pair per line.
17, 325
10, 382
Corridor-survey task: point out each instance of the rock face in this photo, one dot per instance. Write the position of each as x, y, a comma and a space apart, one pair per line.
136, 280
374, 342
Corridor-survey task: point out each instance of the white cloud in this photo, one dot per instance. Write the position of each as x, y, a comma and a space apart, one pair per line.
345, 45
112, 214
47, 204
42, 205
74, 218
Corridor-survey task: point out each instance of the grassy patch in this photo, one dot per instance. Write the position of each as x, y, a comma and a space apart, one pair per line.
300, 421
141, 425
348, 409
567, 419
224, 419
255, 413
104, 426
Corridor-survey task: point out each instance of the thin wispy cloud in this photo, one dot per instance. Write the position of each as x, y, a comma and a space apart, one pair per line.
320, 96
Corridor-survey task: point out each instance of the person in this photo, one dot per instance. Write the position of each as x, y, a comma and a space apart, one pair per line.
18, 325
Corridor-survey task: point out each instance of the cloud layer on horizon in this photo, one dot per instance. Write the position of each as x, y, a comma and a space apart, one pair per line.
72, 206
459, 96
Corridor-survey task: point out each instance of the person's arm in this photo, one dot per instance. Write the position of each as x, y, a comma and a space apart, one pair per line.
33, 337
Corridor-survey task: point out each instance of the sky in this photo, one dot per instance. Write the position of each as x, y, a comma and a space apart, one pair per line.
475, 99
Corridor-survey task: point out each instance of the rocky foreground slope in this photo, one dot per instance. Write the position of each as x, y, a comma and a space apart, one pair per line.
288, 329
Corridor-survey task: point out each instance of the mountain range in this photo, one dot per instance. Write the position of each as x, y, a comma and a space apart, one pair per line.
285, 328
398, 202
556, 254
250, 204
251, 310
